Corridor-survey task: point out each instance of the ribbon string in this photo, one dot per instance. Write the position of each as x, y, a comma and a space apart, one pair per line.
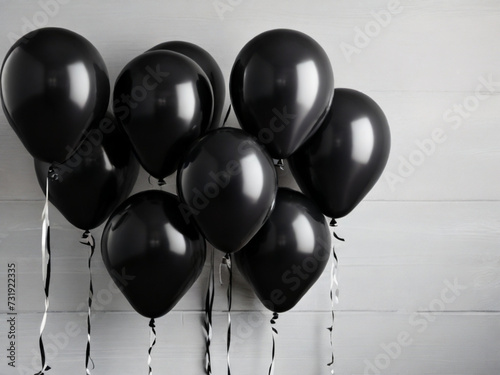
152, 342
334, 293
227, 115
274, 334
227, 262
46, 267
88, 240
209, 303
333, 224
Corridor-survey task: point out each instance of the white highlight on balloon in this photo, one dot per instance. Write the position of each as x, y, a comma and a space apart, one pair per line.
177, 241
304, 234
364, 140
308, 83
253, 177
80, 84
107, 163
187, 106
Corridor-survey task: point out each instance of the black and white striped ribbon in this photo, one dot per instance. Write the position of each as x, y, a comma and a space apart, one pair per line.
334, 293
46, 268
274, 334
227, 262
209, 303
152, 342
88, 240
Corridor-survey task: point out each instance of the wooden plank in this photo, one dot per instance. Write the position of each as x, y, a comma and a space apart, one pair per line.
398, 256
392, 343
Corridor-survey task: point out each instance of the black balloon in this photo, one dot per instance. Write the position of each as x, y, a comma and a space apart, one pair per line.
164, 102
88, 186
344, 159
209, 66
288, 254
228, 185
151, 253
281, 87
54, 86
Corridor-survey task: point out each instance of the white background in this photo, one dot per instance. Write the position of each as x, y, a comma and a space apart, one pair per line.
435, 225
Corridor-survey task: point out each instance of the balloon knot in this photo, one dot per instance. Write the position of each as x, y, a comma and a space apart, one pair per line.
53, 173
161, 182
226, 260
152, 323
333, 223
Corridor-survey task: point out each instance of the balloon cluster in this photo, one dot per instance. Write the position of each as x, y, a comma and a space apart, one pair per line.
167, 105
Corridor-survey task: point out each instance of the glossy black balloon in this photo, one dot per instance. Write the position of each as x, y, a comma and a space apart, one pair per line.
228, 184
164, 102
209, 66
288, 254
54, 86
95, 179
344, 159
147, 240
281, 87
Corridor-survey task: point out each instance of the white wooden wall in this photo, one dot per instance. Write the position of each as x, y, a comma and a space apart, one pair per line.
421, 261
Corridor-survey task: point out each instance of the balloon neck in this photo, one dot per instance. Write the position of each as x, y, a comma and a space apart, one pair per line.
279, 163
333, 223
161, 182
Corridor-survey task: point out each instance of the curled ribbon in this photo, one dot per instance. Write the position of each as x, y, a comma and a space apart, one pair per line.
209, 302
88, 240
274, 333
334, 293
46, 268
152, 342
227, 262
